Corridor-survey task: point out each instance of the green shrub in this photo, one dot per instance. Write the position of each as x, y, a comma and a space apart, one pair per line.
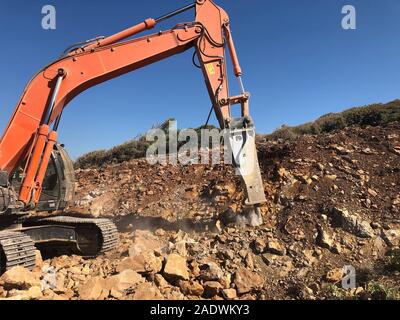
380, 291
393, 262
94, 158
134, 149
372, 115
332, 292
331, 123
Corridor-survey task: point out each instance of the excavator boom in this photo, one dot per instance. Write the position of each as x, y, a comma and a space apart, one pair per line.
106, 59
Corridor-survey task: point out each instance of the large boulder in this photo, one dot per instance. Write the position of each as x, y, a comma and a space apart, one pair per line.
124, 280
145, 241
145, 262
191, 288
20, 278
93, 289
98, 288
176, 268
147, 291
33, 293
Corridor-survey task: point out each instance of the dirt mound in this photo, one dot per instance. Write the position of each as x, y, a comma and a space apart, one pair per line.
333, 201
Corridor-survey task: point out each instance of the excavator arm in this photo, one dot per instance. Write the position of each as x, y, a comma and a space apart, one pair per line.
32, 131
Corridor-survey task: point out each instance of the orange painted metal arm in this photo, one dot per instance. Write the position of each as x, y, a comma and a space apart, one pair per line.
235, 60
26, 188
145, 25
83, 71
37, 186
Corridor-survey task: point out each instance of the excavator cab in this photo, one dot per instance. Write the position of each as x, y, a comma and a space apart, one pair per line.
58, 184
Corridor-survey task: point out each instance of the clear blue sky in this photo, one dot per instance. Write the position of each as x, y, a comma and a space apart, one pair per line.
299, 63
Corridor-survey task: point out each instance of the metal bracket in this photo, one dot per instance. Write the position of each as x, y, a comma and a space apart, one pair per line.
243, 146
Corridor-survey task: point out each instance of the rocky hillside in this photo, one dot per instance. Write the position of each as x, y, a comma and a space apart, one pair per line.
333, 201
378, 114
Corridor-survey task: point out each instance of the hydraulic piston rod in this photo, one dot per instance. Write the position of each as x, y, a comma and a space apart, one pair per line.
176, 12
149, 23
50, 108
43, 147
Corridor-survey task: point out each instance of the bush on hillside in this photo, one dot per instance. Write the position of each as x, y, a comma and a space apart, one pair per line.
372, 115
134, 149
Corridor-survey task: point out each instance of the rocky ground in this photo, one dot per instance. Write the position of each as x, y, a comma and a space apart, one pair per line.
333, 201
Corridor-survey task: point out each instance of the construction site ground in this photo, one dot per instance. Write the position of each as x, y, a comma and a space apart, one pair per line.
333, 200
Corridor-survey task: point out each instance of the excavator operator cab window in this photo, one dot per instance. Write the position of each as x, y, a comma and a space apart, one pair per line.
50, 181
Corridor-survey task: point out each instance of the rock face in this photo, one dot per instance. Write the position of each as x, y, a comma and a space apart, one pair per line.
176, 268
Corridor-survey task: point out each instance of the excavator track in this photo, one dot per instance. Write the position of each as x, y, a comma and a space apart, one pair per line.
103, 234
16, 249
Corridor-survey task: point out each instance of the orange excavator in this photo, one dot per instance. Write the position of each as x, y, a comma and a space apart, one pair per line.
36, 173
